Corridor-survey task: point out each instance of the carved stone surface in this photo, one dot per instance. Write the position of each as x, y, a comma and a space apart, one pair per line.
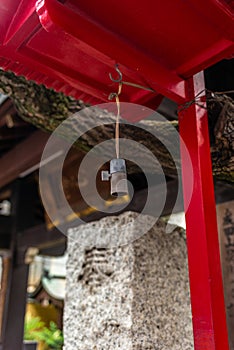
134, 297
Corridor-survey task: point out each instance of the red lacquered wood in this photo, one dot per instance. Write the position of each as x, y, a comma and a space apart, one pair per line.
72, 46
207, 299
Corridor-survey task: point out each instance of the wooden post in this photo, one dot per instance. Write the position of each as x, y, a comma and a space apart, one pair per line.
207, 300
15, 297
225, 212
4, 284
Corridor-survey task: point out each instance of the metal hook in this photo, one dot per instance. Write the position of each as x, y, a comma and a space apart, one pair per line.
119, 73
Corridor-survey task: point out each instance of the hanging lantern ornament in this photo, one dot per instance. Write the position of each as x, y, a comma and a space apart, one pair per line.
118, 172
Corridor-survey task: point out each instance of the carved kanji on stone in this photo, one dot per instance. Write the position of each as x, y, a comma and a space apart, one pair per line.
96, 267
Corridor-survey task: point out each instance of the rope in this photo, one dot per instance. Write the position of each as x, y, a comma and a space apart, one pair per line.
117, 121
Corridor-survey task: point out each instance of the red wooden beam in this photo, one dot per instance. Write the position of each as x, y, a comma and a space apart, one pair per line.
207, 300
53, 15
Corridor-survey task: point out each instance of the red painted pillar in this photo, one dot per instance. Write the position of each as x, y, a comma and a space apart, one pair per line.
206, 288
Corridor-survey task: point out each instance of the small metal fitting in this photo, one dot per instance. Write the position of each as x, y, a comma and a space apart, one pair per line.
118, 177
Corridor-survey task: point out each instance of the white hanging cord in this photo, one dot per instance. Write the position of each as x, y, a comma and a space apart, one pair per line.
117, 121
111, 96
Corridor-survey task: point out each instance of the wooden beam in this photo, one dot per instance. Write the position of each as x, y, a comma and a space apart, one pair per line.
207, 299
49, 242
6, 261
16, 281
16, 132
7, 107
16, 303
22, 157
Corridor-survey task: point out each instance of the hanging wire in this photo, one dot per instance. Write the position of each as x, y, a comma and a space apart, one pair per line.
211, 96
120, 75
120, 80
197, 100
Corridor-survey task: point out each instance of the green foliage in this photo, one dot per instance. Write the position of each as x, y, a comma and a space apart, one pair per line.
51, 336
32, 326
35, 329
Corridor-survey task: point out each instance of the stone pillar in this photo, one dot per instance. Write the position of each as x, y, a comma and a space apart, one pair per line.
225, 214
134, 297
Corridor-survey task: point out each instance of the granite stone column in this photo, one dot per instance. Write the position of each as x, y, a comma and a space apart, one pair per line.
134, 297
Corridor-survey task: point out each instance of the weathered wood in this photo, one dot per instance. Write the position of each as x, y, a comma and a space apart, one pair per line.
17, 287
17, 276
36, 104
46, 109
223, 149
4, 284
39, 237
25, 155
